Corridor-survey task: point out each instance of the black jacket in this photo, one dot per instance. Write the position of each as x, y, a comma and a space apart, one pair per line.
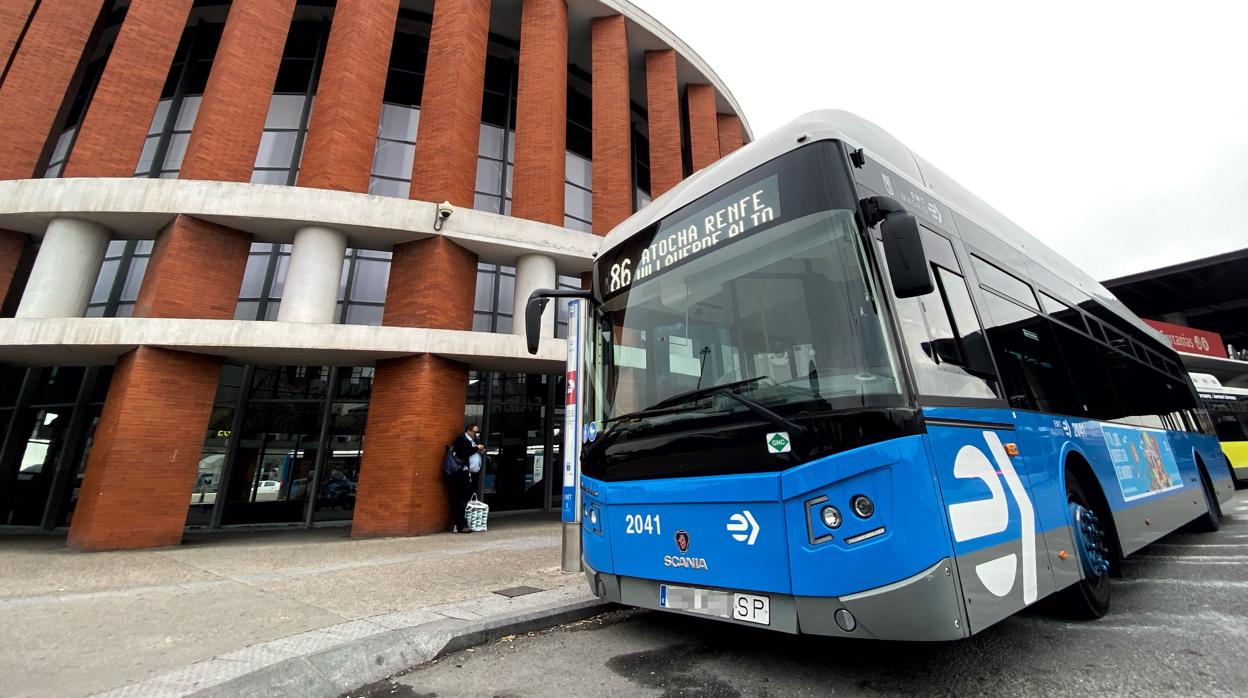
463, 448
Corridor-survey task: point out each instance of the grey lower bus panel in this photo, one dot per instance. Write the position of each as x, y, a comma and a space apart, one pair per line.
925, 606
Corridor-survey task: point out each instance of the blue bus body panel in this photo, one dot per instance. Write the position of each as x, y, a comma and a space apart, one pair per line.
781, 557
952, 493
641, 520
897, 477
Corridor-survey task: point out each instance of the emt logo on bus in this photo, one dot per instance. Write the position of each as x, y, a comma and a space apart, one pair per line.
986, 517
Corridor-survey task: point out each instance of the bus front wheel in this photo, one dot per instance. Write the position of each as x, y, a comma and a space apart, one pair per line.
1089, 597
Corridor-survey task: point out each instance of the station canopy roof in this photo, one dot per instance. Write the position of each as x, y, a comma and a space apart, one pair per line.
1208, 294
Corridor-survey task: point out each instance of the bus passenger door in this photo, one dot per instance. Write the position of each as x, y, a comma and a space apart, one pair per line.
997, 543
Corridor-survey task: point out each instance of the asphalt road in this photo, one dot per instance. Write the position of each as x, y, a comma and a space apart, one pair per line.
1178, 626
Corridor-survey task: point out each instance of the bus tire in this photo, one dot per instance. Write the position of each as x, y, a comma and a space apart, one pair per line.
1087, 599
1211, 520
1235, 479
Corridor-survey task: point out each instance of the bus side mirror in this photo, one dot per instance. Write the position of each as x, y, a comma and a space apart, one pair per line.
533, 318
536, 305
903, 251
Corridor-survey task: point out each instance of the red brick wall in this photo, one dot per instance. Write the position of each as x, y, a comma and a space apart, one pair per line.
432, 283
38, 80
196, 271
418, 401
231, 116
338, 152
613, 158
541, 112
663, 111
145, 456
703, 129
12, 243
450, 111
13, 16
417, 408
731, 135
111, 137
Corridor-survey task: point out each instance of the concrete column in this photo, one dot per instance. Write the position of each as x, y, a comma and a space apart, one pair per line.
541, 112
311, 291
703, 126
663, 111
227, 129
63, 275
111, 137
612, 124
39, 76
533, 271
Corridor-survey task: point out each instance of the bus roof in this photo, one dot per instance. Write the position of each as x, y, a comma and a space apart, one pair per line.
834, 124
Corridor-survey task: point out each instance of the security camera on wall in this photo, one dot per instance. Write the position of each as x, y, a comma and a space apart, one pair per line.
444, 211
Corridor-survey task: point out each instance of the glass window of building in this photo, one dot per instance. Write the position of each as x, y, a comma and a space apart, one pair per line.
175, 114
578, 171
641, 167
400, 112
263, 280
362, 287
121, 275
491, 307
290, 108
50, 414
82, 99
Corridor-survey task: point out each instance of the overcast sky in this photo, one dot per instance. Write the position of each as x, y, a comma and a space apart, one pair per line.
1115, 132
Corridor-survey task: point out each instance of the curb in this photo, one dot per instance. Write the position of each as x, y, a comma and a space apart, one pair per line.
373, 654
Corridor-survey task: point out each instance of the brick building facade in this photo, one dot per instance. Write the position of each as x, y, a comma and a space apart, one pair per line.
224, 270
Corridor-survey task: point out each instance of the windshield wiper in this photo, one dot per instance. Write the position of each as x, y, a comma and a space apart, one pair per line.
671, 405
760, 410
688, 395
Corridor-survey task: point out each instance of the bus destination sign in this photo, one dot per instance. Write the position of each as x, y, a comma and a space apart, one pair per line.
683, 239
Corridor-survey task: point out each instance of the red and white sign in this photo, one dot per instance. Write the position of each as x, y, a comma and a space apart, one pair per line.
1191, 341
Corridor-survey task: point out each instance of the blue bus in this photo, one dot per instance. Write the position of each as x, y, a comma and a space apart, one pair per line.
827, 390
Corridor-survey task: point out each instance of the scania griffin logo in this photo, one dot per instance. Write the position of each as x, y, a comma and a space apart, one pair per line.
682, 541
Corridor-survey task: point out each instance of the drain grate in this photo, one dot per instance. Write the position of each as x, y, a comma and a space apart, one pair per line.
512, 592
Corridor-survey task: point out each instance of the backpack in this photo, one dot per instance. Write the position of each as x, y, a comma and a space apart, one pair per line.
450, 464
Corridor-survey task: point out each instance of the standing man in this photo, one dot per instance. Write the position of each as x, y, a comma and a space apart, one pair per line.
460, 485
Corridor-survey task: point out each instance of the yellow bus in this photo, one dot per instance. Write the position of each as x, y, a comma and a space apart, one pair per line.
1228, 408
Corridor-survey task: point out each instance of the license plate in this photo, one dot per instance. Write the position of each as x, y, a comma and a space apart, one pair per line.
750, 608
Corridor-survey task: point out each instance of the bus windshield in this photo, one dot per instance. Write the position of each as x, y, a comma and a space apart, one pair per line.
783, 315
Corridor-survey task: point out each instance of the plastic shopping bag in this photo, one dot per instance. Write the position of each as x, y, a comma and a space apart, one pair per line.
478, 513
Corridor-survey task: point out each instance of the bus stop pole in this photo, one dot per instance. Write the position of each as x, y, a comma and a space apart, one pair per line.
572, 427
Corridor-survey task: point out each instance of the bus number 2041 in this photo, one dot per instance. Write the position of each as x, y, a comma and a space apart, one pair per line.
641, 524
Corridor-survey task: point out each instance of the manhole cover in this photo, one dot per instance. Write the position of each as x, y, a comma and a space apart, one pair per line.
512, 592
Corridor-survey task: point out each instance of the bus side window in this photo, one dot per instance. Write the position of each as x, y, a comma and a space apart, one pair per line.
1092, 382
945, 341
1144, 392
1032, 371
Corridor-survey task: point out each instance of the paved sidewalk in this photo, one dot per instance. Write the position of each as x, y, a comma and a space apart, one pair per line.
74, 624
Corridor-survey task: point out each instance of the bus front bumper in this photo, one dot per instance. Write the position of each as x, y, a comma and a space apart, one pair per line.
922, 607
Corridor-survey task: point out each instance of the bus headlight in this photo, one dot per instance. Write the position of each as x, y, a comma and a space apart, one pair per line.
831, 517
862, 506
